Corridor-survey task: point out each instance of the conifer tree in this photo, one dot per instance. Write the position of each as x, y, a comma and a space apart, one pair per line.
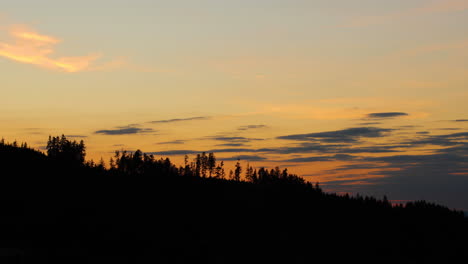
237, 171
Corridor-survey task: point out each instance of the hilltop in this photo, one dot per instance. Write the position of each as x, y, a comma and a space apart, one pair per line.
57, 207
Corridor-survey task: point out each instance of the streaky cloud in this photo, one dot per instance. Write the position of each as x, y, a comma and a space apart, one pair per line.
231, 145
306, 148
369, 123
232, 150
449, 128
349, 135
174, 152
446, 140
124, 131
386, 115
76, 136
429, 7
174, 142
321, 158
29, 47
184, 151
234, 139
180, 119
245, 158
330, 149
249, 127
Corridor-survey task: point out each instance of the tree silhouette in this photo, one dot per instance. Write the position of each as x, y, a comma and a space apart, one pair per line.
204, 164
198, 165
237, 171
219, 171
211, 163
249, 174
68, 152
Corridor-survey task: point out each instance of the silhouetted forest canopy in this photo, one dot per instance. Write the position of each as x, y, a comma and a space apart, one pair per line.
139, 208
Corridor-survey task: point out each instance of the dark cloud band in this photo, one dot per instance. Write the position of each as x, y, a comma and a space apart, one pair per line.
124, 131
386, 115
345, 136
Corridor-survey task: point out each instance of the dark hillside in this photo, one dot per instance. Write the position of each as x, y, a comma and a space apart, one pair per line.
57, 209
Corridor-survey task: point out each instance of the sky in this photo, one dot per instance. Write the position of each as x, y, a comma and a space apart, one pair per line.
363, 96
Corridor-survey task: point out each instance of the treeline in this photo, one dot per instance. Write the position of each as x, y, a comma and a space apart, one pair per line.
204, 165
64, 153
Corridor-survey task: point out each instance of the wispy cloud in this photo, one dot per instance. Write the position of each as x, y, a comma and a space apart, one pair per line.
429, 176
337, 108
432, 48
223, 150
439, 140
231, 145
249, 127
369, 123
28, 46
449, 128
348, 135
321, 158
442, 6
180, 119
306, 111
175, 152
124, 131
76, 136
430, 7
303, 148
245, 158
423, 133
174, 142
386, 115
234, 139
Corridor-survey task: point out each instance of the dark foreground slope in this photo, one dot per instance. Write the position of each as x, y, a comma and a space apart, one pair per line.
57, 213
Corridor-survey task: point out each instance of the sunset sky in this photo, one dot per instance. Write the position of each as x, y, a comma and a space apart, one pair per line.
367, 96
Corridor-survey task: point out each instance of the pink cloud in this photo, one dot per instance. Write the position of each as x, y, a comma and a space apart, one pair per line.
30, 47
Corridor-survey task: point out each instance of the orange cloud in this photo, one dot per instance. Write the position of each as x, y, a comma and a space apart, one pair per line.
444, 6
460, 45
32, 36
303, 111
339, 108
28, 46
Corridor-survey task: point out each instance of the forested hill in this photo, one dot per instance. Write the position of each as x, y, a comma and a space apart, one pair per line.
58, 208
